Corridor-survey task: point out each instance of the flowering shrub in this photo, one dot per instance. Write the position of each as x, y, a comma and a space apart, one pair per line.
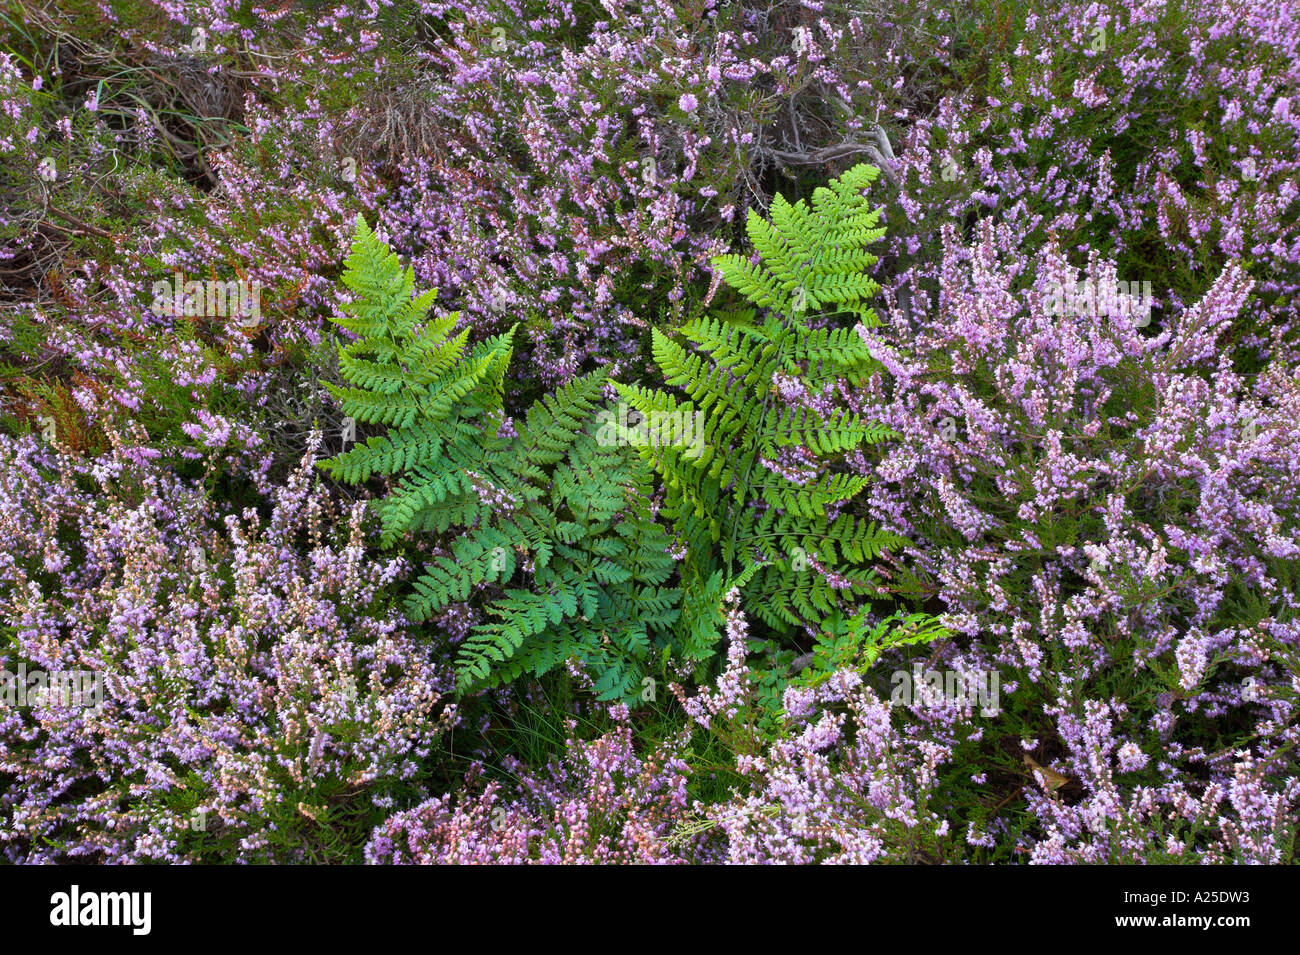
839, 782
843, 781
1101, 511
256, 692
602, 804
587, 191
1162, 135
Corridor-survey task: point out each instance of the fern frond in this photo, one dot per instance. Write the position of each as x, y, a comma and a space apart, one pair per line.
733, 492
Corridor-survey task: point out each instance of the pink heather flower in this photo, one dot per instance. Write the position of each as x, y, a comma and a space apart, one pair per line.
1131, 757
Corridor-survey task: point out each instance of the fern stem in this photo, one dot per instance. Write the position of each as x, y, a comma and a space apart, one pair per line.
744, 484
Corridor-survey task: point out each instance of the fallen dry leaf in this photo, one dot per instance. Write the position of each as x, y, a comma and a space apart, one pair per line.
1050, 777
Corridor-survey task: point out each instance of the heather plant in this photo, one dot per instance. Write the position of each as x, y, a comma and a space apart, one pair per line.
555, 226
602, 803
839, 782
1163, 136
150, 160
579, 193
1109, 519
261, 702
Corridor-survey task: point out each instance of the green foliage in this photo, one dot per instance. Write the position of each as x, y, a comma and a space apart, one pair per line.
555, 535
558, 526
725, 490
578, 516
432, 389
856, 642
844, 642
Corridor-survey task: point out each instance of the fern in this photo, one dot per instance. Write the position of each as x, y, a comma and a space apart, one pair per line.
556, 539
857, 643
600, 564
843, 643
745, 522
423, 382
553, 529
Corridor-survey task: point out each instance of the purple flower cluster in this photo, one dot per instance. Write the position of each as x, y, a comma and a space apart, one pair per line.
1166, 135
840, 783
602, 804
254, 683
1107, 508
